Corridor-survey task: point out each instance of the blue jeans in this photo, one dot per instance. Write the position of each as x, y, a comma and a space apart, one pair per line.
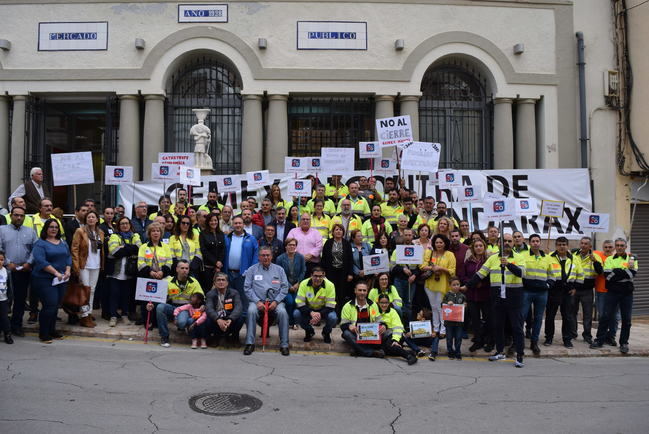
198, 332
120, 292
289, 303
600, 302
406, 292
51, 297
330, 321
540, 300
165, 312
434, 346
454, 339
282, 324
615, 300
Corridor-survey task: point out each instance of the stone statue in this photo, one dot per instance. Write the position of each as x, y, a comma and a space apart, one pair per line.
202, 137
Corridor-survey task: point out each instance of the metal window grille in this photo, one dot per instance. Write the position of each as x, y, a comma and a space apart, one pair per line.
455, 111
206, 82
316, 122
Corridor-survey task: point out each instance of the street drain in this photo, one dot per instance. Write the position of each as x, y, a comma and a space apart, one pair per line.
224, 404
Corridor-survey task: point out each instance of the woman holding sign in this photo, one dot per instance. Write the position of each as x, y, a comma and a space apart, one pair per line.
441, 265
392, 338
154, 258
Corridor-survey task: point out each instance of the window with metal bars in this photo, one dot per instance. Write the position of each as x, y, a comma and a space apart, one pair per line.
454, 110
206, 82
317, 122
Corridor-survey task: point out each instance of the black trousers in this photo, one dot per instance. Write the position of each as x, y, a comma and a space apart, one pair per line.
585, 298
4, 317
560, 300
20, 281
480, 312
504, 309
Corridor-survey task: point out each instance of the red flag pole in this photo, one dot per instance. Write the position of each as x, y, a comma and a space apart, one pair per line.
148, 321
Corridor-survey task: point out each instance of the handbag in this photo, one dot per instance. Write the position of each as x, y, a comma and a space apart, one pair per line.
77, 294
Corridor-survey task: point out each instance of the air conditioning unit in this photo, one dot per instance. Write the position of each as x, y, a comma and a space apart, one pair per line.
611, 83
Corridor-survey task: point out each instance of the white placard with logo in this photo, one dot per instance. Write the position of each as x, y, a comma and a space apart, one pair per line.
527, 207
369, 150
385, 166
421, 329
72, 168
396, 131
116, 175
228, 183
299, 188
409, 254
374, 264
164, 172
80, 36
449, 179
499, 208
594, 222
552, 208
468, 194
313, 164
203, 13
152, 290
421, 157
337, 161
295, 165
258, 178
190, 176
179, 158
331, 35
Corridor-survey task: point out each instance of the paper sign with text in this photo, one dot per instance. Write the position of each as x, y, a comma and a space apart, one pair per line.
369, 150
162, 172
396, 131
190, 176
453, 313
385, 166
116, 175
527, 207
368, 333
72, 168
299, 188
421, 329
295, 165
409, 254
152, 290
468, 193
179, 158
374, 264
337, 161
258, 178
552, 208
499, 208
421, 157
228, 183
449, 179
594, 222
313, 164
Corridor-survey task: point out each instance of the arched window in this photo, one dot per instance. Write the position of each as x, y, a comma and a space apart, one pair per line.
454, 110
206, 82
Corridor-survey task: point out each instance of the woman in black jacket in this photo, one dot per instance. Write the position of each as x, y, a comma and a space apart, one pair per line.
212, 244
338, 262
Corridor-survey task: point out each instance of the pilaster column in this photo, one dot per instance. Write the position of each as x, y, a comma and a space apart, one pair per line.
410, 106
129, 134
503, 134
153, 142
252, 134
4, 147
277, 136
18, 142
525, 134
384, 109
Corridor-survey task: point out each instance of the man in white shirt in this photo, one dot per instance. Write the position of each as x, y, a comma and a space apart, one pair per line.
33, 191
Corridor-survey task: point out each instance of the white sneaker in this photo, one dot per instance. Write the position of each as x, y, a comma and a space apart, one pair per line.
496, 357
164, 342
113, 321
519, 362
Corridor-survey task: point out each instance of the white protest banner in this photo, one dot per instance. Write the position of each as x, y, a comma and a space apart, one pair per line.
409, 254
299, 188
228, 183
499, 208
527, 207
190, 176
72, 168
468, 194
396, 131
295, 165
337, 160
368, 333
421, 157
163, 172
179, 158
258, 178
594, 222
152, 290
385, 166
369, 150
552, 208
116, 175
374, 264
421, 329
450, 179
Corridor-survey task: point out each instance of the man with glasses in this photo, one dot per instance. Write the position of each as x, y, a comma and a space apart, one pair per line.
141, 221
44, 213
315, 302
309, 241
223, 306
608, 249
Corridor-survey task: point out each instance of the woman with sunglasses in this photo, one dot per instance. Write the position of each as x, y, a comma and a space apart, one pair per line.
52, 265
185, 245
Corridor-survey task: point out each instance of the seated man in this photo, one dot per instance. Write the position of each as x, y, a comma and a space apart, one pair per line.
224, 309
315, 301
179, 291
266, 281
360, 310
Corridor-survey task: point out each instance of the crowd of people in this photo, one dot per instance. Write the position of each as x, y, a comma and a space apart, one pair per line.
300, 265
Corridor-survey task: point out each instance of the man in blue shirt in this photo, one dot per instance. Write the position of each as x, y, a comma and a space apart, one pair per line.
240, 253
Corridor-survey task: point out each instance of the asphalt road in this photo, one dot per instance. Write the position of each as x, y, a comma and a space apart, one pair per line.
84, 385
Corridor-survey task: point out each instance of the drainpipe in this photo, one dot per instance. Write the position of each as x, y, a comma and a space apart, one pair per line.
583, 126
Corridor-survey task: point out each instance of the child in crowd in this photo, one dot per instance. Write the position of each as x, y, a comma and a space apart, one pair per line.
5, 299
196, 322
454, 328
391, 338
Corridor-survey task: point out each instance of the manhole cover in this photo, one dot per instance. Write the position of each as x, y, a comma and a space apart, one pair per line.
224, 404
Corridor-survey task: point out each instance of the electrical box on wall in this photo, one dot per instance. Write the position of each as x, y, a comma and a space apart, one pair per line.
611, 83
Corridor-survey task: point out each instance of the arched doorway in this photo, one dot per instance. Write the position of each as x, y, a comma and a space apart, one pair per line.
206, 81
456, 111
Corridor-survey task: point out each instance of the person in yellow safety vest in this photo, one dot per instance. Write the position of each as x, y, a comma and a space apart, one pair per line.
442, 211
315, 302
367, 189
19, 202
506, 272
493, 240
392, 338
329, 207
336, 190
212, 202
164, 205
591, 266
304, 205
360, 207
181, 197
375, 226
319, 220
44, 213
392, 208
360, 310
154, 258
427, 214
348, 220
538, 274
384, 287
184, 244
567, 276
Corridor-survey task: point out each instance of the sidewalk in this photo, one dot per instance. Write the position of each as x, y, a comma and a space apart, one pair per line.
638, 344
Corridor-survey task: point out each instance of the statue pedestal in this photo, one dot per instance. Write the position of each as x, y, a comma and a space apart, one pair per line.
207, 172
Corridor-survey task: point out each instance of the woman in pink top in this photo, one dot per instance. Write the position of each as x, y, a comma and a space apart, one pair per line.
197, 316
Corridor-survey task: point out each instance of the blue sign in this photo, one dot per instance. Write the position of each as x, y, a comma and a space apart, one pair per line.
210, 13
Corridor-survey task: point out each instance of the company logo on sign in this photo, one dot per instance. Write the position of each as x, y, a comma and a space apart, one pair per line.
369, 147
315, 162
409, 252
295, 162
227, 181
385, 164
593, 220
257, 176
190, 174
151, 287
375, 262
450, 177
164, 170
299, 185
118, 173
468, 192
499, 206
525, 204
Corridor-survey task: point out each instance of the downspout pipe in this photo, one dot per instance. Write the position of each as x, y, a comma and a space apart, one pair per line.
583, 124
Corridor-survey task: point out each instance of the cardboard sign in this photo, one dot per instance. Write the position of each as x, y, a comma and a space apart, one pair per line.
421, 329
527, 207
499, 208
449, 179
152, 290
369, 150
594, 222
295, 165
409, 254
385, 166
258, 178
337, 161
116, 175
228, 183
468, 194
165, 172
190, 176
72, 168
179, 158
396, 131
552, 208
421, 157
374, 264
453, 313
299, 188
368, 333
